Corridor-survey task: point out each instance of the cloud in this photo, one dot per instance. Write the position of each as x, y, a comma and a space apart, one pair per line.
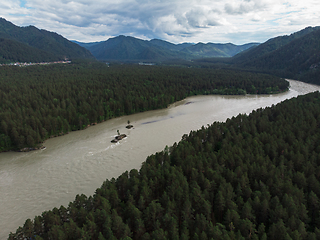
173, 20
201, 18
248, 6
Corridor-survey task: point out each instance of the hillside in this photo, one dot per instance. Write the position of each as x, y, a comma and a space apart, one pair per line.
14, 51
296, 56
271, 45
124, 48
202, 50
31, 44
252, 177
170, 46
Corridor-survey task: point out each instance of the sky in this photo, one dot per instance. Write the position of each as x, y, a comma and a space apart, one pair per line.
176, 21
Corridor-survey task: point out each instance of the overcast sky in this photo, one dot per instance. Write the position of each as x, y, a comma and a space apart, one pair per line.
177, 21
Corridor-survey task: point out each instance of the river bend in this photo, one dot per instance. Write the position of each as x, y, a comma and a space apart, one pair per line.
79, 162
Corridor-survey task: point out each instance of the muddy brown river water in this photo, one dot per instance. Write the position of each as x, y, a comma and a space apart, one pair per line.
79, 162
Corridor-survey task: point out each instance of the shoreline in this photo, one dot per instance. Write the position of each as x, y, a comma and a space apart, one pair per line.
92, 159
28, 149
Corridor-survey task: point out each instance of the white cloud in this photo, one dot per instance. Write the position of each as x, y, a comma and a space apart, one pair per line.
237, 21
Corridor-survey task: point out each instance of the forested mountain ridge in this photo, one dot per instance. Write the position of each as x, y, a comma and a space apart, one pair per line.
271, 45
38, 102
33, 45
125, 48
201, 50
296, 56
14, 51
252, 177
171, 46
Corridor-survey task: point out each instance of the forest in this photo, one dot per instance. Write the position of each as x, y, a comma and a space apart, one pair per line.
39, 102
254, 176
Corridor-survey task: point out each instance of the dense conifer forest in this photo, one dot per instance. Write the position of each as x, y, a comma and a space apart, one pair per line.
38, 102
251, 177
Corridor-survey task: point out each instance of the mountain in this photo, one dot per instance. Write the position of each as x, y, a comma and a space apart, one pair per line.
217, 49
32, 44
271, 45
125, 48
170, 46
296, 56
14, 51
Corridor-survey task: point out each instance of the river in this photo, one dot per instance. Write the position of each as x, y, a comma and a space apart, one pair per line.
80, 161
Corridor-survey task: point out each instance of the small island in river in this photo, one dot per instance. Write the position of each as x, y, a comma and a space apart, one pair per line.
129, 126
118, 138
121, 136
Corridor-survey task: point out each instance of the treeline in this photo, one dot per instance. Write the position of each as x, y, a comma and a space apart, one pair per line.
252, 177
38, 102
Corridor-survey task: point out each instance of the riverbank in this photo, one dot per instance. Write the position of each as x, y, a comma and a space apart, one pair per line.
231, 91
34, 109
78, 162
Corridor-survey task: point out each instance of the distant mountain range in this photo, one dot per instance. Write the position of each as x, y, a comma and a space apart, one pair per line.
29, 44
124, 48
295, 56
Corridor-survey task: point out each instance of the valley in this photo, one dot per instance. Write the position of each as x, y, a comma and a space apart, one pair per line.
221, 147
77, 163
